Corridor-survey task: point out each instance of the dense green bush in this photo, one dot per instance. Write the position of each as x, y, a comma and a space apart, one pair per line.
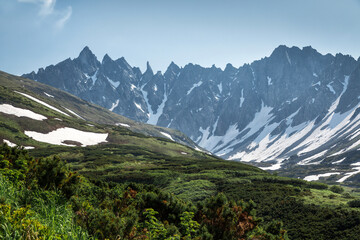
336, 189
354, 203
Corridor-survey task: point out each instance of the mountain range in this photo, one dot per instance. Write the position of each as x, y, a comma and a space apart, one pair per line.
295, 111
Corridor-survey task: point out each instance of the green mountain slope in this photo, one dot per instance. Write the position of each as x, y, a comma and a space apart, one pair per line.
116, 156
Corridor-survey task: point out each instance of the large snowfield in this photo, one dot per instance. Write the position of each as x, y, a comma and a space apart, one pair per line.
60, 135
19, 112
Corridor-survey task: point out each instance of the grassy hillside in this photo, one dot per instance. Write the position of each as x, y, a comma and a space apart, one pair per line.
93, 114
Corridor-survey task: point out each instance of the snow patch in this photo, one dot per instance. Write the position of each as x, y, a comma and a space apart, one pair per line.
331, 88
19, 112
288, 58
94, 77
122, 124
316, 177
347, 175
242, 99
114, 105
167, 135
154, 117
58, 136
43, 103
73, 113
220, 87
315, 75
10, 144
307, 161
275, 166
114, 84
340, 161
139, 107
269, 80
49, 95
194, 86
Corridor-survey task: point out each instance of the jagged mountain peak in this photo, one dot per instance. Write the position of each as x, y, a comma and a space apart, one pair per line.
87, 61
85, 52
229, 67
173, 67
148, 69
106, 59
123, 64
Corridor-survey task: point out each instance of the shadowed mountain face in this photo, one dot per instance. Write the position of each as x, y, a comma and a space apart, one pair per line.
296, 106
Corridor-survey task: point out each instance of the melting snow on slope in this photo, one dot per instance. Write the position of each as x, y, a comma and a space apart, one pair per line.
139, 107
19, 112
60, 135
132, 87
326, 131
114, 105
242, 98
331, 88
114, 84
43, 103
10, 144
269, 148
316, 177
260, 120
341, 160
122, 124
194, 86
94, 77
306, 161
347, 175
167, 135
269, 80
48, 95
288, 58
154, 117
72, 112
220, 87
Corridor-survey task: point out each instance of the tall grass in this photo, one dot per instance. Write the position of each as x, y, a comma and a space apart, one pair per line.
49, 208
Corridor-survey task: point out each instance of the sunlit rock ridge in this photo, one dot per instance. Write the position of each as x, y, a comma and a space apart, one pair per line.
295, 106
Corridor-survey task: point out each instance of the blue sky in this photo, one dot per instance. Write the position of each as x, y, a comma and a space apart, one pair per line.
37, 33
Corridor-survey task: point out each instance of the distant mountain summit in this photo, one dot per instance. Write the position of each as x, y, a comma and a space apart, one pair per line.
296, 106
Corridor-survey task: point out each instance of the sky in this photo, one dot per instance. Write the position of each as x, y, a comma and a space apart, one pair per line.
37, 33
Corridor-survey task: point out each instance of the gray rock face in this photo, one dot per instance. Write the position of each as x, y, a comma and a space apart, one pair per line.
296, 102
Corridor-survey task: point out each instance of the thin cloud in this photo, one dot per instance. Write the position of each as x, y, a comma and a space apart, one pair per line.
64, 19
46, 6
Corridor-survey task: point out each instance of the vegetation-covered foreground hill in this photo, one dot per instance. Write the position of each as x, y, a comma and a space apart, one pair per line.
125, 185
